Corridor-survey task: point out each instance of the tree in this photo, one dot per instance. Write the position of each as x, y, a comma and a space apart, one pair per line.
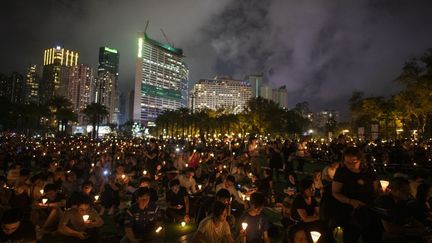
95, 113
61, 108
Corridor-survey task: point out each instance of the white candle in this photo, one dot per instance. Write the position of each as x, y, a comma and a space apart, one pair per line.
183, 224
315, 236
159, 229
86, 217
96, 197
41, 191
199, 187
123, 176
145, 172
244, 226
44, 200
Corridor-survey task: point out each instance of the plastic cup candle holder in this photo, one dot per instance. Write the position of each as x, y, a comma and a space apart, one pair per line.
123, 176
315, 236
145, 172
44, 200
244, 226
41, 191
384, 184
199, 187
96, 197
86, 217
183, 224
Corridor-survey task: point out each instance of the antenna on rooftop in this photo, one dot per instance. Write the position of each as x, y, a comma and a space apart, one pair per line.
166, 38
145, 29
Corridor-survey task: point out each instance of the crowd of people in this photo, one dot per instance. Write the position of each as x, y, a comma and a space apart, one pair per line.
226, 187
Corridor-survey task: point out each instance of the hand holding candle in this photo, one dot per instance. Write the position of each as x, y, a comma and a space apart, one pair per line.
244, 226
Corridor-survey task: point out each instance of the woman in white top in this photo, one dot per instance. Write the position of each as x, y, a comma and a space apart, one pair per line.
214, 228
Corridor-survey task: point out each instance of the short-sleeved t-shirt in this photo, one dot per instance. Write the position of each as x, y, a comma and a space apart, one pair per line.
213, 233
26, 232
74, 220
300, 203
176, 199
357, 185
142, 221
257, 225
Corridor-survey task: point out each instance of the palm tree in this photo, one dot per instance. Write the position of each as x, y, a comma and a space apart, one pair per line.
95, 113
61, 108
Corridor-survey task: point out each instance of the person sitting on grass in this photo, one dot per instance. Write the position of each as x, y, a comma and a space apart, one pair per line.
178, 202
143, 219
15, 229
80, 223
258, 224
215, 227
47, 213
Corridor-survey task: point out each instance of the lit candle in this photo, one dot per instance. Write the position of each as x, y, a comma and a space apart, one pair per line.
44, 200
244, 226
315, 236
123, 176
86, 217
187, 165
384, 184
144, 172
96, 197
159, 229
183, 224
199, 187
41, 191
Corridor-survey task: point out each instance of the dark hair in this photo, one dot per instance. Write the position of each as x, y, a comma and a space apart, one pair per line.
50, 187
257, 200
397, 183
144, 179
290, 233
152, 140
353, 151
305, 184
11, 216
83, 199
223, 193
218, 208
174, 182
87, 183
230, 178
422, 192
141, 192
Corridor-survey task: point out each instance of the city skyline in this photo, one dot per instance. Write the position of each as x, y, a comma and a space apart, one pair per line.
321, 51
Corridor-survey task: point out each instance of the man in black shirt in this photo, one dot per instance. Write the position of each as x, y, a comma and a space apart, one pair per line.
14, 229
178, 202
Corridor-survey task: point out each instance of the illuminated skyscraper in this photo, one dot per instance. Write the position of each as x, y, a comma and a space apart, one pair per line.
280, 97
256, 82
161, 79
106, 91
16, 88
32, 85
81, 78
222, 92
56, 72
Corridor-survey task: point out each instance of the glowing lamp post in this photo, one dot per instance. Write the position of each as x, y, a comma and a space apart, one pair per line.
315, 236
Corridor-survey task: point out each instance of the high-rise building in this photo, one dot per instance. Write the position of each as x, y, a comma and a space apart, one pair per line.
280, 97
32, 85
56, 72
106, 91
221, 92
255, 82
161, 79
321, 118
4, 83
17, 85
266, 92
81, 78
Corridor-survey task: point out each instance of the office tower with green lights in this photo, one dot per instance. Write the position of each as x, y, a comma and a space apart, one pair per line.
106, 86
161, 80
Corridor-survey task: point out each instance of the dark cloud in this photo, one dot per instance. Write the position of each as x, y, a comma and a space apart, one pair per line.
321, 50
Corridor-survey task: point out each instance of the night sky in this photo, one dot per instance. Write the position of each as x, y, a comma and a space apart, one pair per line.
322, 50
